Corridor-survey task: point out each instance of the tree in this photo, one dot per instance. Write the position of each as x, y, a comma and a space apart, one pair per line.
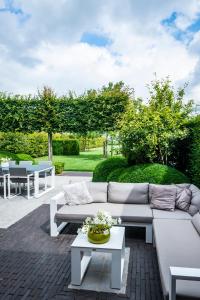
109, 105
149, 131
94, 111
48, 115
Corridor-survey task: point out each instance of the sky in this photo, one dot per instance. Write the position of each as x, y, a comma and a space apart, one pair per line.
83, 44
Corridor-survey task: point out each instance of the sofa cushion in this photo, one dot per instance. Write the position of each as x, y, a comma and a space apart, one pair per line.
196, 222
140, 213
98, 191
176, 214
177, 244
162, 196
183, 198
77, 193
132, 193
195, 202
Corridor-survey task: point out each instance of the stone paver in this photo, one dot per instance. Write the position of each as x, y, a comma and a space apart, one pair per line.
17, 207
34, 265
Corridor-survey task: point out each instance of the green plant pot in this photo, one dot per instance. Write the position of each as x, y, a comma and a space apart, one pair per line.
98, 238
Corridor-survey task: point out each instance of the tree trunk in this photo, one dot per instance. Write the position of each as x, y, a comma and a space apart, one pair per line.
50, 148
105, 148
85, 142
112, 148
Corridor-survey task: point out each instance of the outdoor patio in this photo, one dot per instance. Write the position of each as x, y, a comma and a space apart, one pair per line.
37, 266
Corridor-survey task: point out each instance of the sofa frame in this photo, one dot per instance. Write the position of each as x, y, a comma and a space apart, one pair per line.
175, 273
55, 229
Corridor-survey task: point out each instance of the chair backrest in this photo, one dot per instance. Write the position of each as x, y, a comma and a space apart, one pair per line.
18, 172
25, 163
12, 163
1, 172
45, 163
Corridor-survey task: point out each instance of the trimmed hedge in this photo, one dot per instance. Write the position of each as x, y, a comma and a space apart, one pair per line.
193, 166
66, 147
59, 167
17, 157
153, 173
23, 156
34, 144
115, 174
104, 168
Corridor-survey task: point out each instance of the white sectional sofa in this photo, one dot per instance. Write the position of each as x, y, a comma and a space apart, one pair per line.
176, 233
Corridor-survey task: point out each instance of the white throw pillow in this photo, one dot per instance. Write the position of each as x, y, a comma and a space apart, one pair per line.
77, 193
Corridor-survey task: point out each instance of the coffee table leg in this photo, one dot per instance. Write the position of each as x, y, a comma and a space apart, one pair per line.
75, 266
79, 265
116, 269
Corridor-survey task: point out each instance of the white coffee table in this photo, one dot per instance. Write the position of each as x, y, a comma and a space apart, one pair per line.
81, 253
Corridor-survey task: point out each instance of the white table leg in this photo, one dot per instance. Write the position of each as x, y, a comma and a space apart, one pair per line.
78, 265
116, 269
4, 187
36, 175
53, 177
172, 288
75, 266
9, 186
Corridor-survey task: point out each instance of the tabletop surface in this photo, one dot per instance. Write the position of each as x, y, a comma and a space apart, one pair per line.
115, 242
31, 168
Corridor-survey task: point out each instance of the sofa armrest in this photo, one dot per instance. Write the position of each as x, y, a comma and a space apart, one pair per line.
181, 273
57, 199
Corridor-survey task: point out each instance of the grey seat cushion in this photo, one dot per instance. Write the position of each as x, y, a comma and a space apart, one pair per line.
176, 214
196, 222
132, 193
127, 212
98, 191
177, 244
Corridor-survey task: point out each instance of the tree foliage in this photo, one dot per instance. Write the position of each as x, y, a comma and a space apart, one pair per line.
95, 110
149, 131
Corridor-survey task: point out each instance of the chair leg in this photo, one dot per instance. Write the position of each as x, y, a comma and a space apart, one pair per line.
28, 188
16, 188
20, 188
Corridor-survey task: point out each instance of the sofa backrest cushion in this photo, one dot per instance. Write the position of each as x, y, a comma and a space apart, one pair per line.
77, 193
98, 191
183, 198
195, 202
196, 222
162, 196
135, 193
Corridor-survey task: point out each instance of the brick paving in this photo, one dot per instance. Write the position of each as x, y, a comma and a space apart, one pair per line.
35, 266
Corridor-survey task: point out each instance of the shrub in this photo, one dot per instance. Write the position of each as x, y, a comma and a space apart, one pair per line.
104, 168
115, 174
65, 147
71, 147
6, 154
57, 147
59, 167
23, 156
153, 173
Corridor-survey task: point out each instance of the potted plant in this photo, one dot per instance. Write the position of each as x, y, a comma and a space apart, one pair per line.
98, 227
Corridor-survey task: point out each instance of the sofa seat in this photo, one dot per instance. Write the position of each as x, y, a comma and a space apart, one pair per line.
178, 245
176, 214
140, 213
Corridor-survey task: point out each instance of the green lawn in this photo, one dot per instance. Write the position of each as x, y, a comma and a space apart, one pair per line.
86, 161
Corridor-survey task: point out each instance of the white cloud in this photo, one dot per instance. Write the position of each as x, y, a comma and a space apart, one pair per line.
45, 49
